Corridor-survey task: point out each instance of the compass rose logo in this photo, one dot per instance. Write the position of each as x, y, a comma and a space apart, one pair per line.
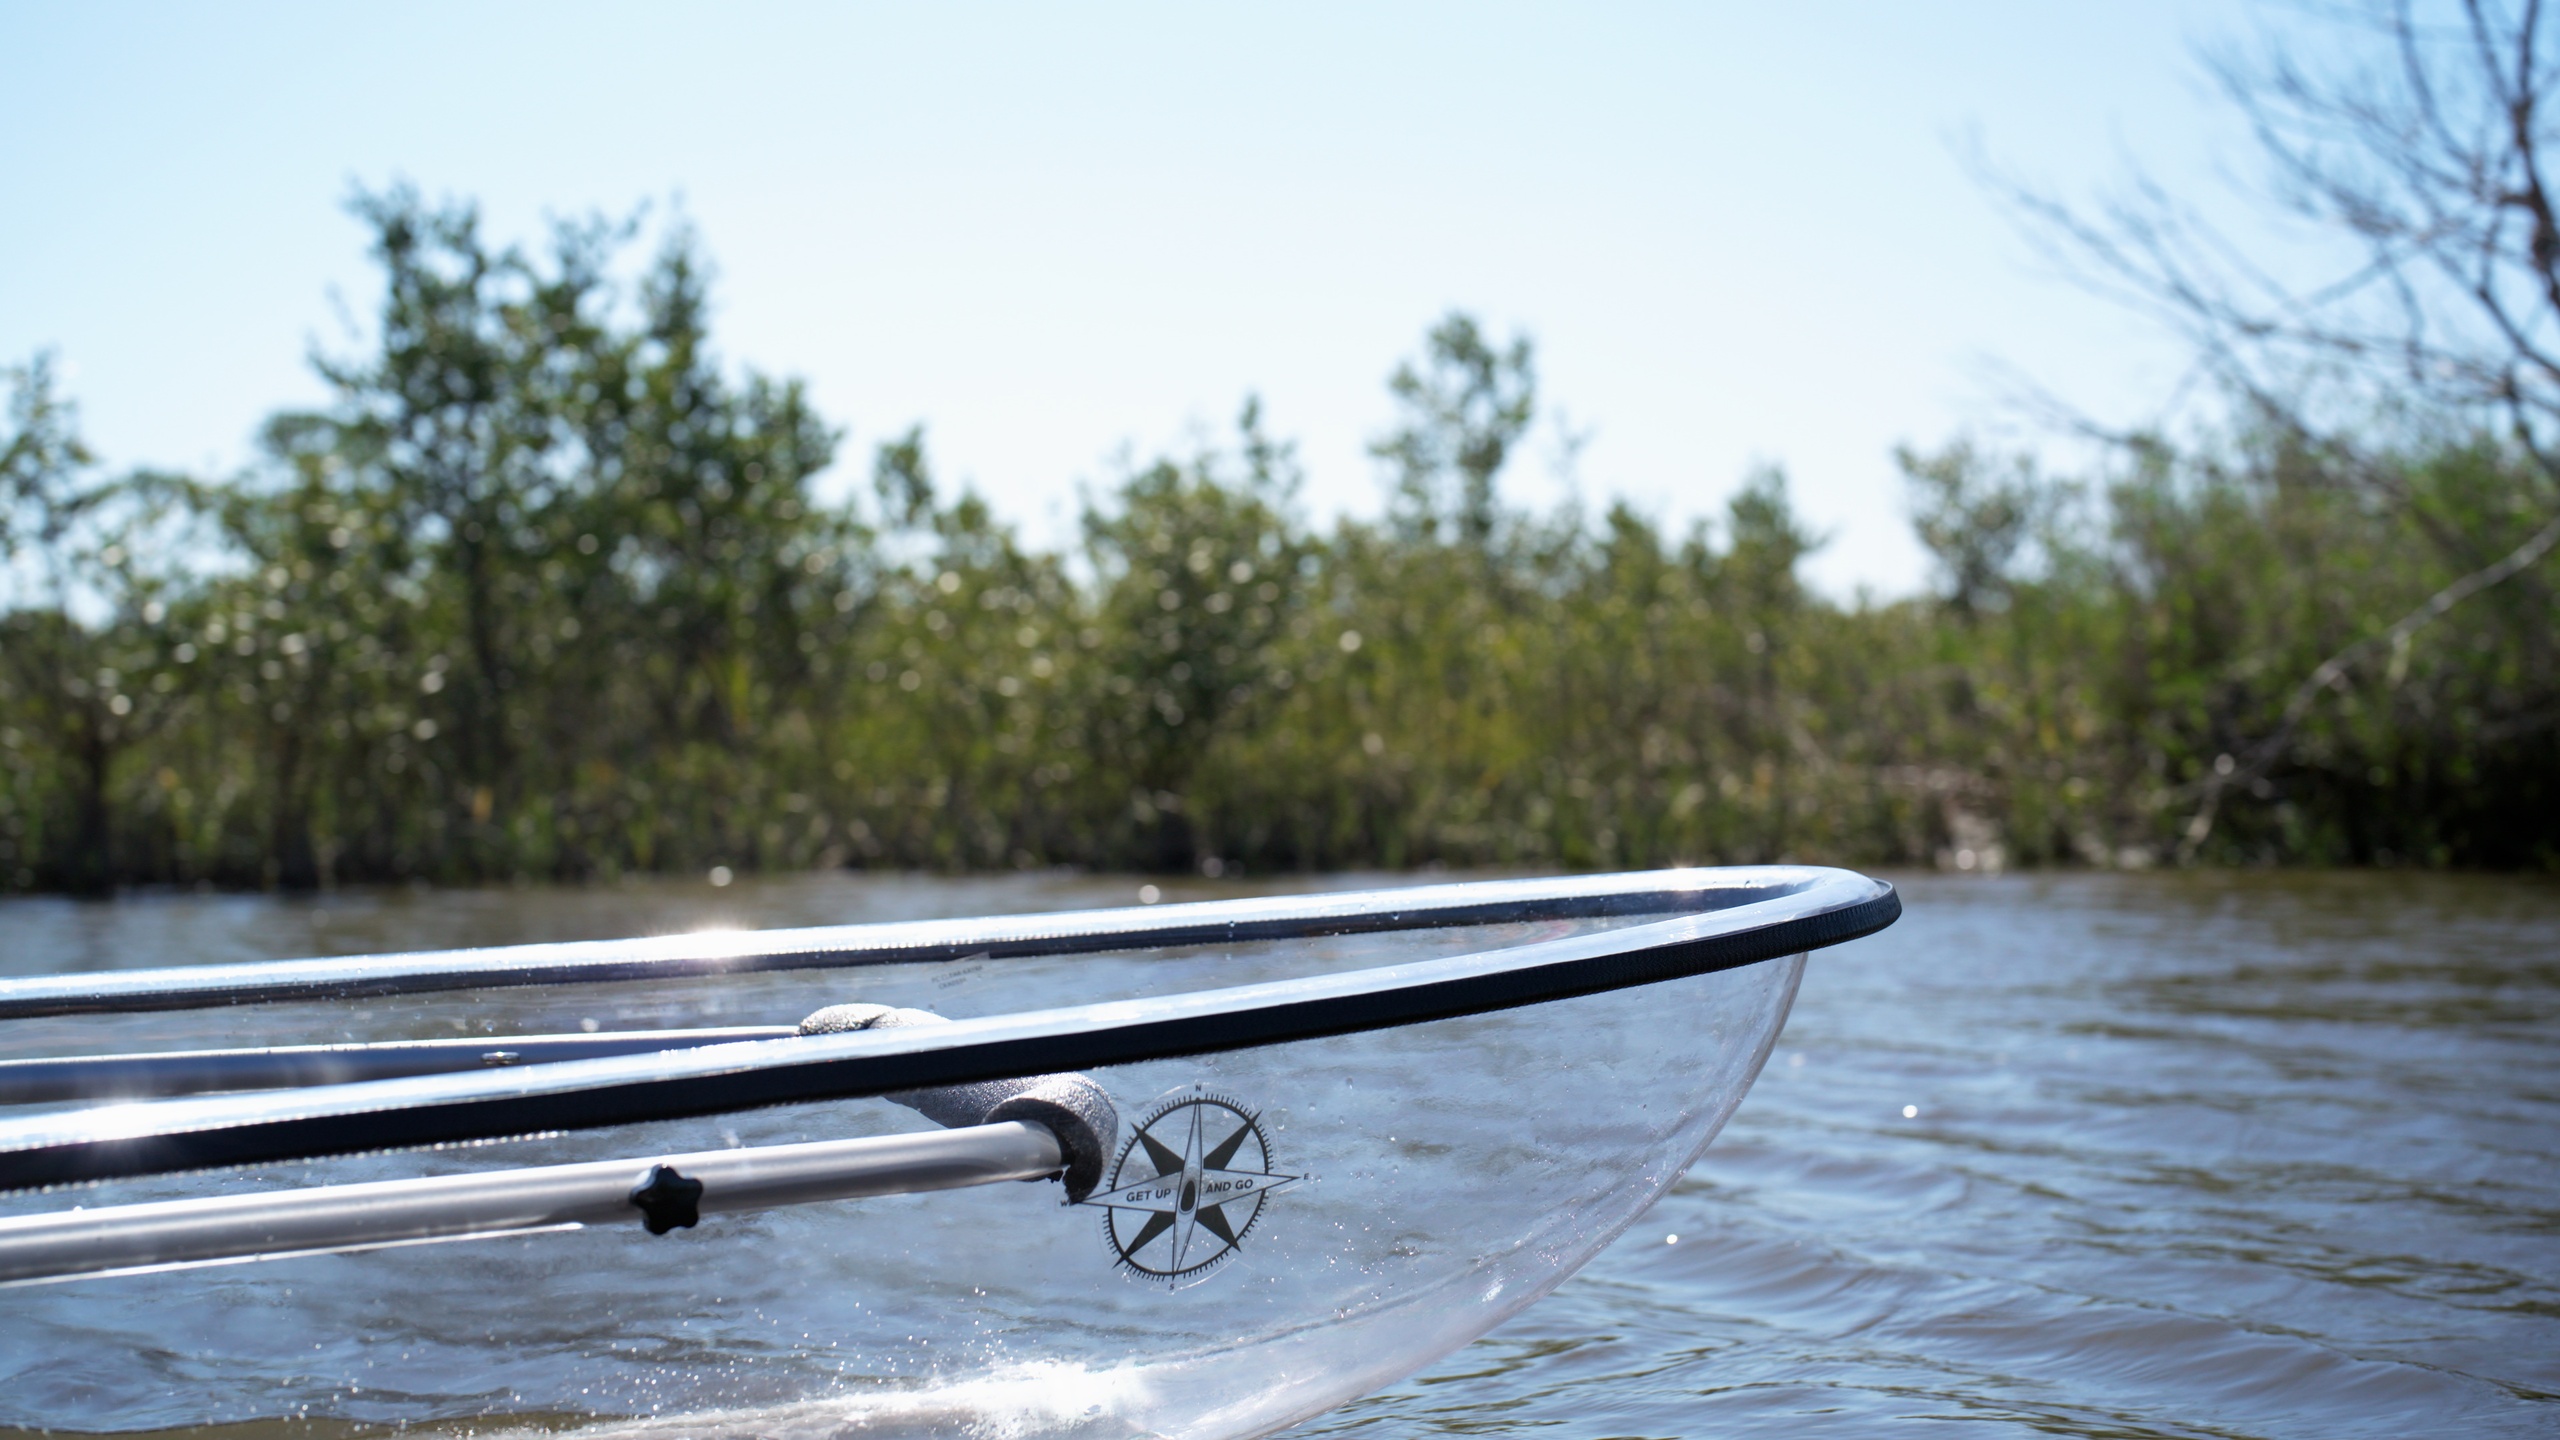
1187, 1187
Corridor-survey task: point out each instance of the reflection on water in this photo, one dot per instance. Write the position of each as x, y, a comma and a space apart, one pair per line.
2222, 1155
2080, 1155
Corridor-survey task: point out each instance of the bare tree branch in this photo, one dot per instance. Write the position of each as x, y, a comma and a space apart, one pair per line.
2424, 150
2332, 672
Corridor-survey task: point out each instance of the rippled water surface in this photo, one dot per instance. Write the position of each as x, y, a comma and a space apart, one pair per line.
2077, 1155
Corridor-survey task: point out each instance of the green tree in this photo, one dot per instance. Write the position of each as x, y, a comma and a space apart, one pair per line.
1466, 404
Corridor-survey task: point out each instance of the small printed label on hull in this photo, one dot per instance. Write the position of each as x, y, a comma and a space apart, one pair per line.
1188, 1187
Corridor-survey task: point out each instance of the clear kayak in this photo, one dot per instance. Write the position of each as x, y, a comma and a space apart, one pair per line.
1198, 1170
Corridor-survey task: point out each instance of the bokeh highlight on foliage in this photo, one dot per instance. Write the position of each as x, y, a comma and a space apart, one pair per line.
548, 593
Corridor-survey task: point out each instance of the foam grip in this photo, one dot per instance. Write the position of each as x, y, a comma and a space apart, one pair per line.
1078, 1111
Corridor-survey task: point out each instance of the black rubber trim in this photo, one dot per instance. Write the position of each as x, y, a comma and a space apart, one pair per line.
1012, 937
55, 1078
954, 1054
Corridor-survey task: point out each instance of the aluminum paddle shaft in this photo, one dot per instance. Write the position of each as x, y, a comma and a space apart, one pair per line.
665, 1193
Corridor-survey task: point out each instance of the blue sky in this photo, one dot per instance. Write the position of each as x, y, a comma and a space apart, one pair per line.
1740, 234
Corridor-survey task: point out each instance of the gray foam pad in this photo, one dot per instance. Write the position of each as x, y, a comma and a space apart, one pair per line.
1075, 1109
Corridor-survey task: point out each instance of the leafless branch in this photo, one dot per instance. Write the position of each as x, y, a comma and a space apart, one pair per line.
2429, 158
2332, 673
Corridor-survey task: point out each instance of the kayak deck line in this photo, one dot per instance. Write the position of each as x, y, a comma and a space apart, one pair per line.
282, 1067
1764, 914
667, 1193
1816, 908
903, 942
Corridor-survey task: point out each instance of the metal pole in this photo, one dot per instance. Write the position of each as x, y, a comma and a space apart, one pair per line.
666, 1193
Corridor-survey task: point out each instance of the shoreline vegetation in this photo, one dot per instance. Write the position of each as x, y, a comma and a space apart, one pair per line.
548, 592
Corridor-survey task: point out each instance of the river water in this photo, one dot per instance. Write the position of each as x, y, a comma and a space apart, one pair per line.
2101, 1155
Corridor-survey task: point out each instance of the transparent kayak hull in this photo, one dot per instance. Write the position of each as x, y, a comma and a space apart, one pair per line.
1282, 1227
